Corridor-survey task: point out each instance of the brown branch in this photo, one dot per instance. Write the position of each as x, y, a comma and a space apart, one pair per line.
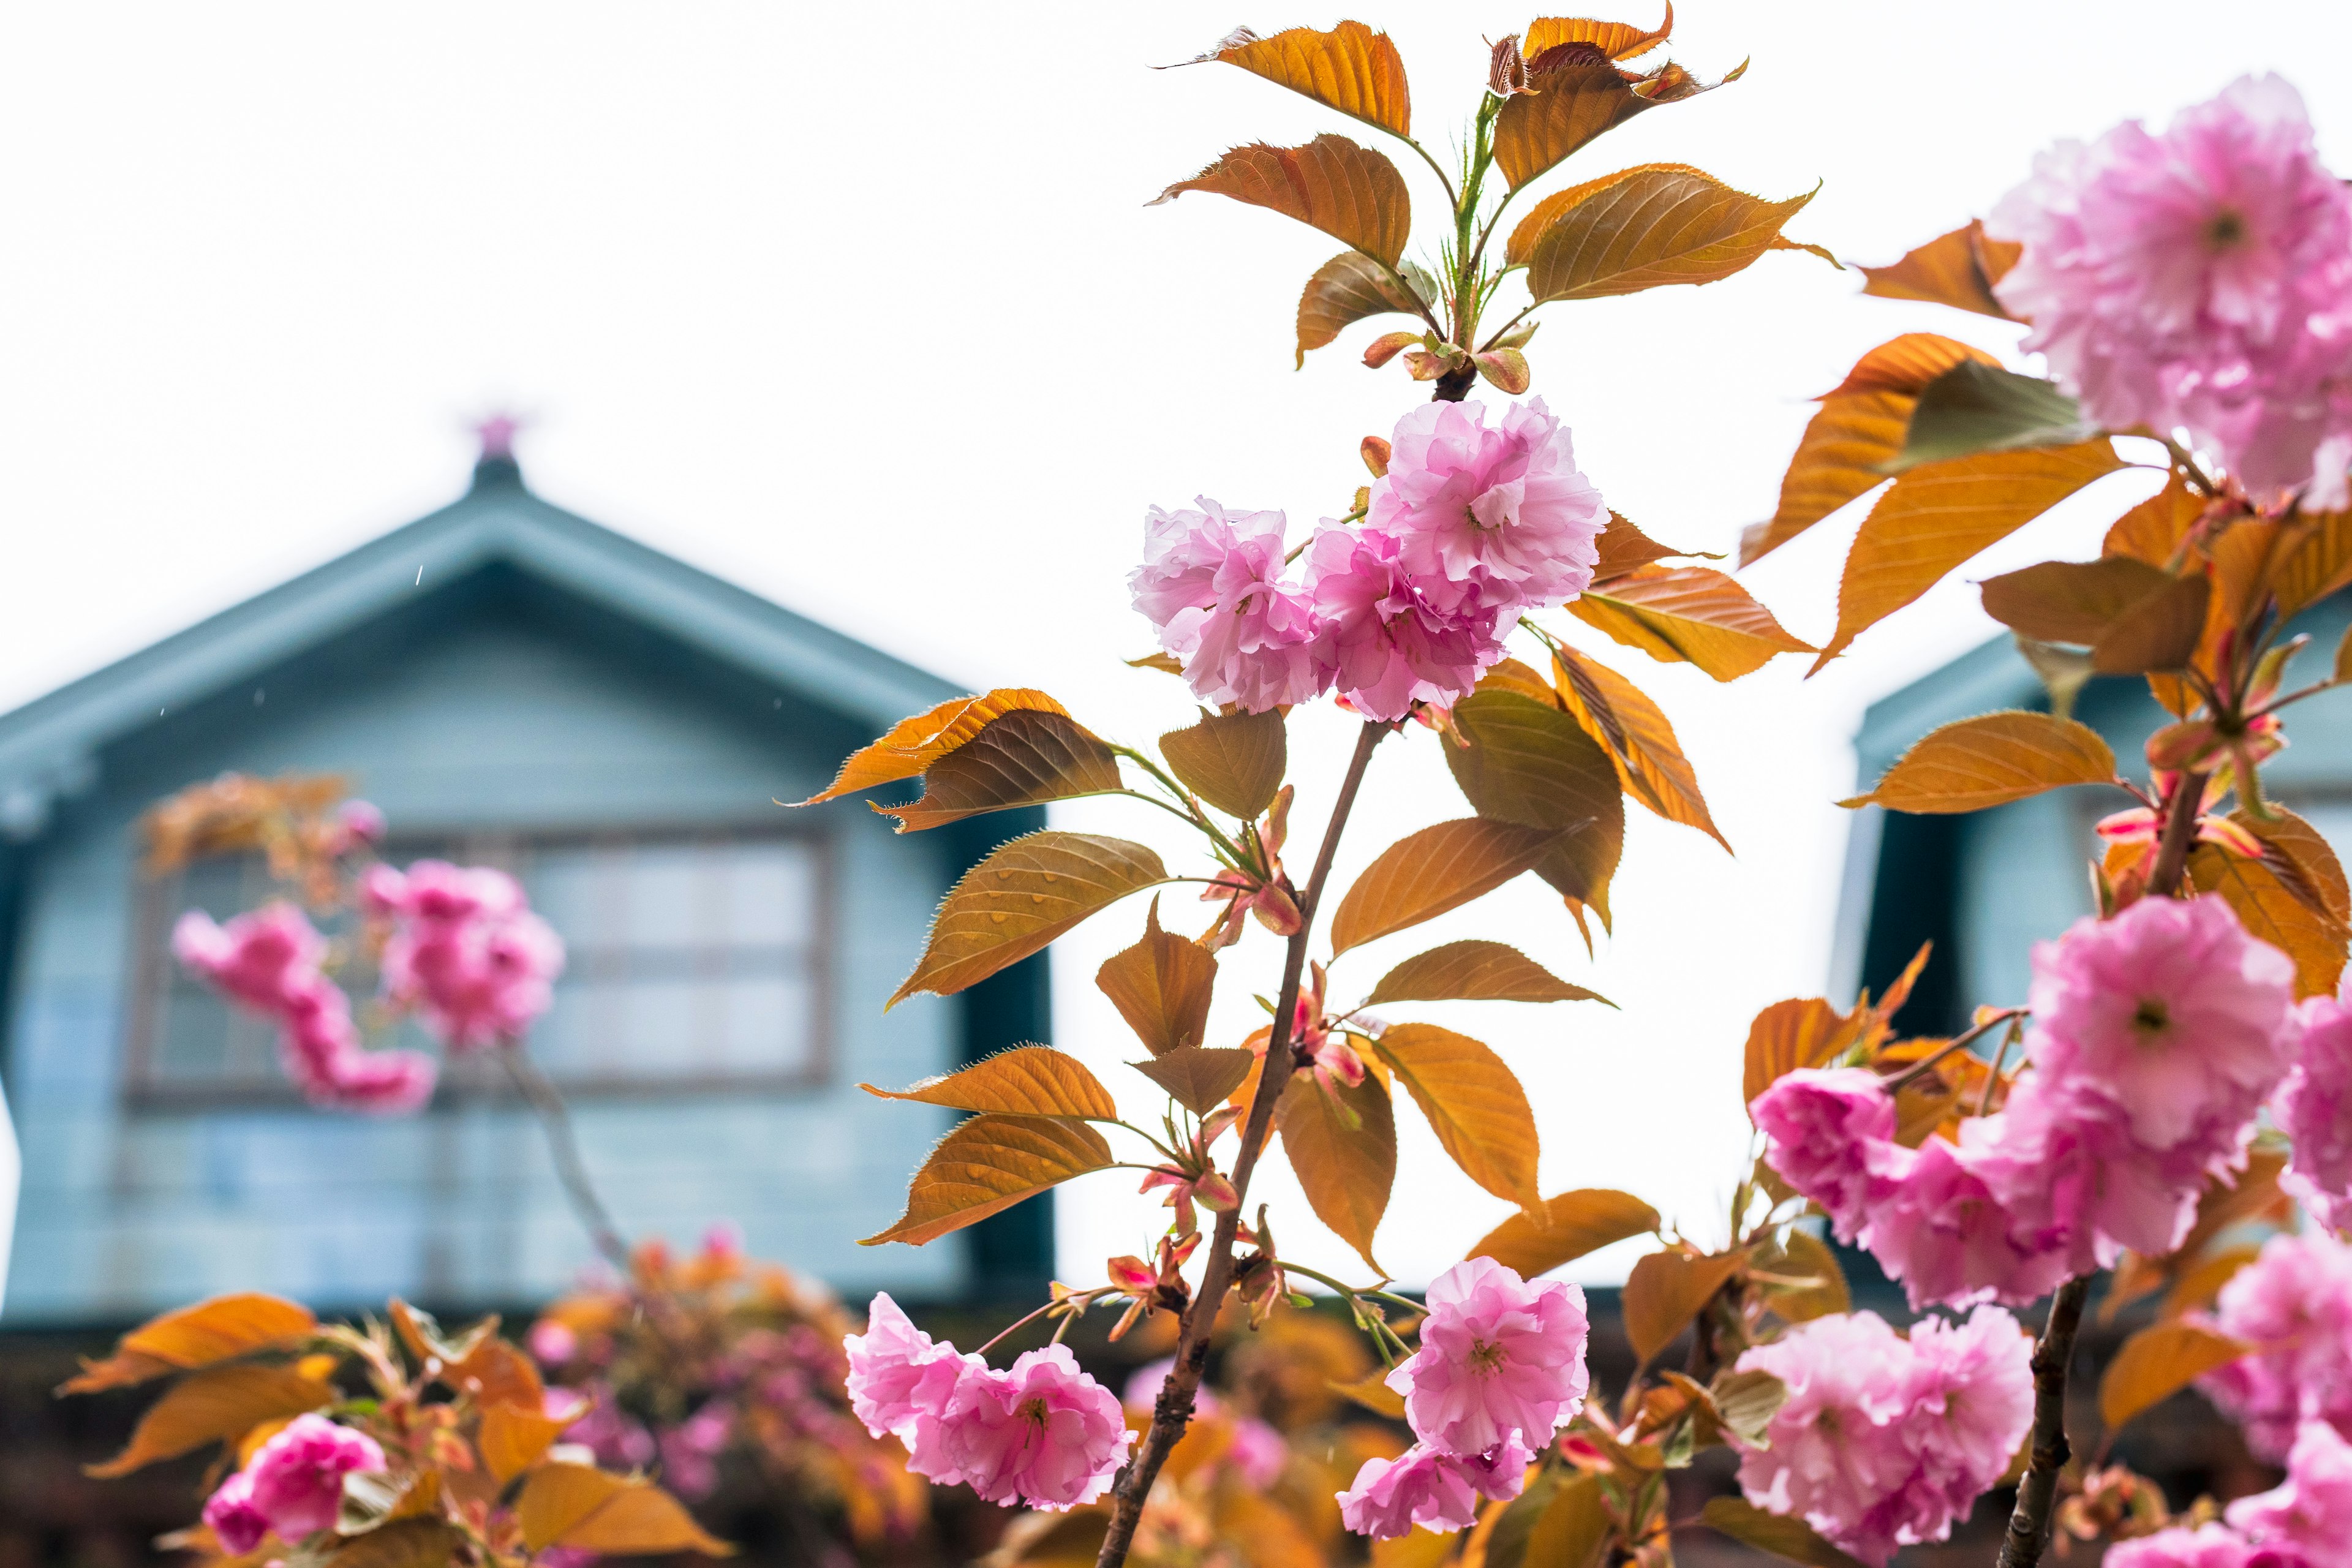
555, 1119
1174, 1411
2037, 1494
2179, 834
1454, 384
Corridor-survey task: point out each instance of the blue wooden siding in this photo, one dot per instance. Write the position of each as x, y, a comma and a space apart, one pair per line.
493, 701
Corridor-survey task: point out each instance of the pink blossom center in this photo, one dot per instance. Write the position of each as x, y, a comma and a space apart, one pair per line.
1486, 1359
2151, 1019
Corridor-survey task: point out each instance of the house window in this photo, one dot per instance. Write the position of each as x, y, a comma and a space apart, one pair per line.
693, 961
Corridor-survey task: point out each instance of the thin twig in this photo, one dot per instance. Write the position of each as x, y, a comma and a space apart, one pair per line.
1921, 1069
555, 1119
1174, 1411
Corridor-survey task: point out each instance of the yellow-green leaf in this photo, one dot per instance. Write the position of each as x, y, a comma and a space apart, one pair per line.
1694, 613
1977, 408
991, 1163
1162, 987
1027, 1080
1860, 428
914, 745
1791, 1537
1525, 761
196, 1336
1565, 1228
1639, 738
1200, 1078
1474, 971
586, 1508
1474, 1103
1232, 761
1957, 269
1665, 1291
1350, 193
1021, 898
1940, 514
1342, 1146
2158, 1363
1424, 874
1349, 287
1351, 68
2268, 908
1025, 757
1990, 760
1660, 225
217, 1404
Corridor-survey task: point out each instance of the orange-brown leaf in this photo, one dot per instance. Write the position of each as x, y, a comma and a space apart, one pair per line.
1424, 874
1957, 269
1021, 898
1474, 971
496, 1373
1694, 613
1346, 1170
1027, 1080
217, 1404
1860, 428
914, 745
1565, 1228
2158, 1363
1659, 226
1200, 1078
1351, 68
514, 1439
2152, 531
1624, 548
988, 1164
1025, 757
196, 1336
586, 1508
1665, 1291
1989, 761
1639, 738
1350, 193
1234, 761
1472, 1101
412, 1542
1569, 99
1803, 1032
2313, 561
1938, 515
2302, 859
1527, 761
2270, 910
1618, 40
1349, 287
1162, 987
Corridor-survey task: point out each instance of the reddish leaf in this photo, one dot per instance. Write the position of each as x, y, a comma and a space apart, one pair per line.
1200, 1078
1162, 987
914, 745
1350, 193
1957, 269
1025, 757
1351, 68
1652, 226
1232, 761
1349, 287
1618, 40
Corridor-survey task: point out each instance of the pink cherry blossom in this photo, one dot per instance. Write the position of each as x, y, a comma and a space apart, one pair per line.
1499, 1358
2295, 1301
2314, 1110
1213, 586
466, 952
1436, 1490
2200, 278
257, 958
293, 1486
900, 1380
2310, 1515
1041, 1431
2169, 1012
1830, 1132
1882, 1441
2207, 1546
1391, 639
1496, 516
1951, 1238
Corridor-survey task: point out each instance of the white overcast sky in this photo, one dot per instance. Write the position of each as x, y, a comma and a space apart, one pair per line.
864, 310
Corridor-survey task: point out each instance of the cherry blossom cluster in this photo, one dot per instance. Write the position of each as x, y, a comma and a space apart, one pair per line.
461, 948
1040, 1432
1500, 1368
2157, 1036
292, 1487
2293, 1303
466, 952
269, 959
2198, 280
2314, 1110
1886, 1441
2305, 1523
1470, 526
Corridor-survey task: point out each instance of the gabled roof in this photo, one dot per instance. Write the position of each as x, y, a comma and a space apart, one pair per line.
50, 745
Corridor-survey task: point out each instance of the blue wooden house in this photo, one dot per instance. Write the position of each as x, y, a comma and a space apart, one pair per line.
512, 685
1986, 885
